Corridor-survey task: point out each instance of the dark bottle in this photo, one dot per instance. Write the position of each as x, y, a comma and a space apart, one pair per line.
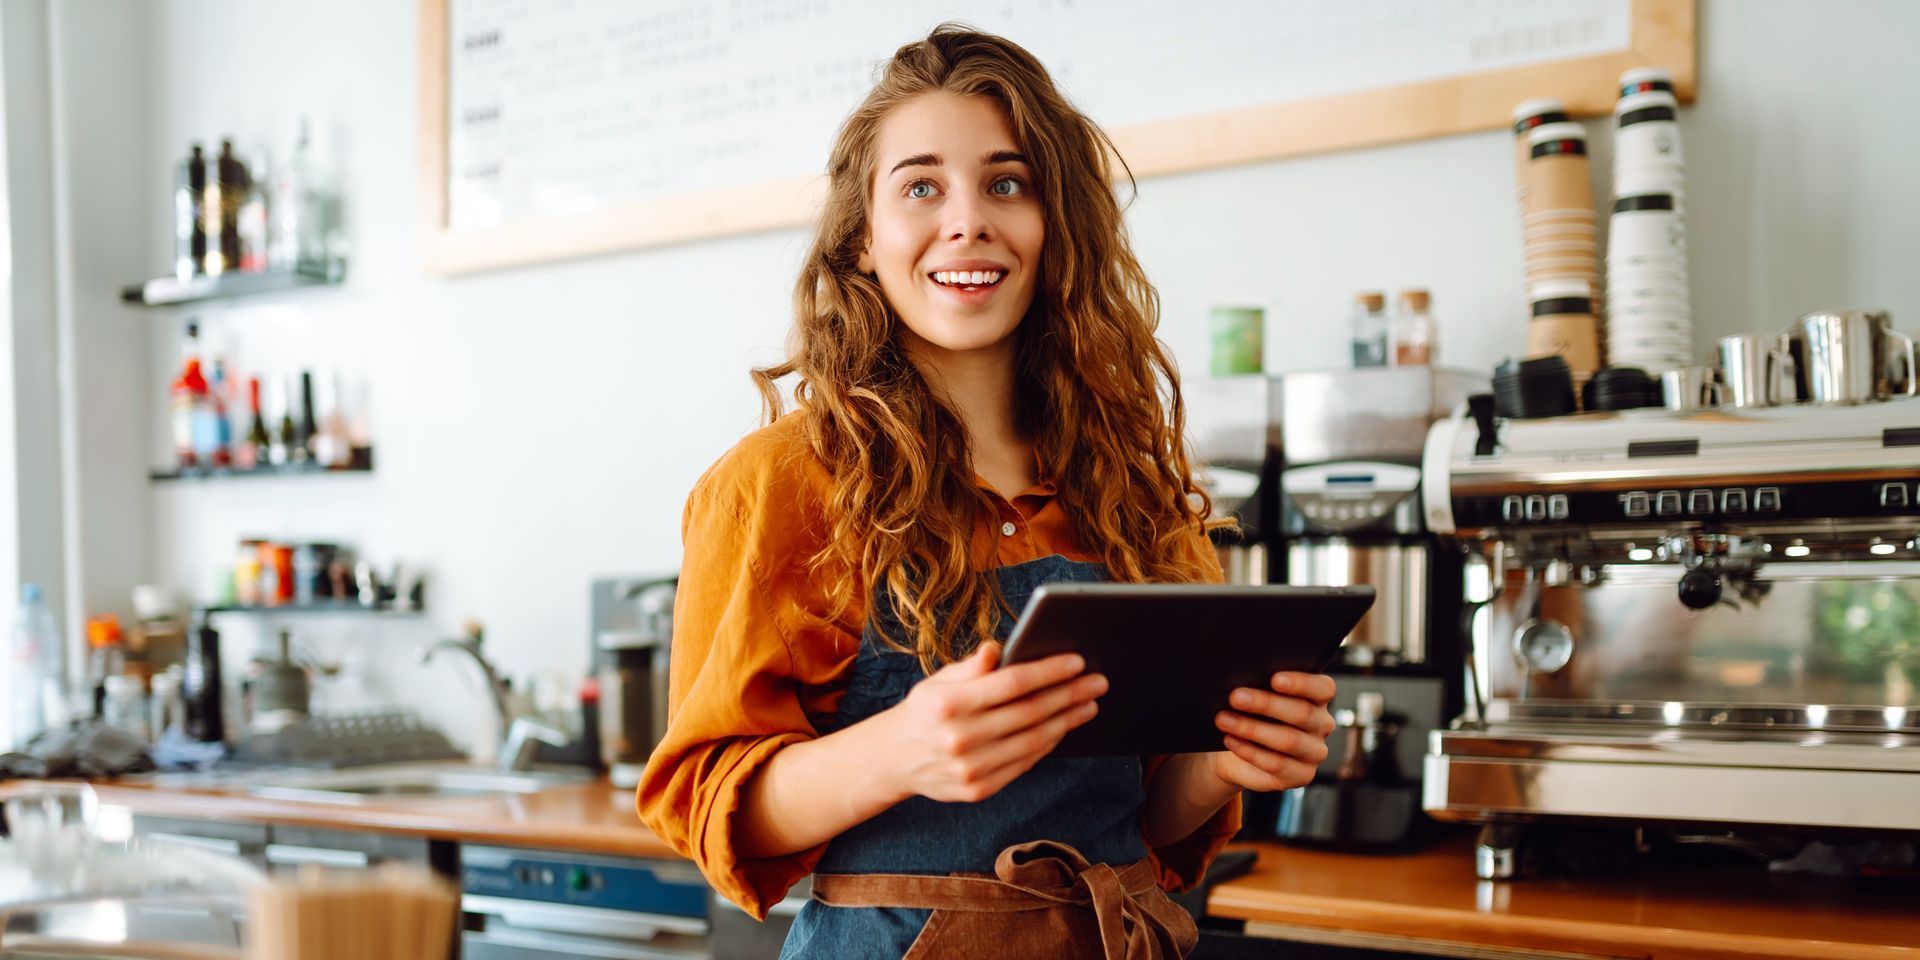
200, 687
195, 227
233, 192
259, 443
292, 445
309, 428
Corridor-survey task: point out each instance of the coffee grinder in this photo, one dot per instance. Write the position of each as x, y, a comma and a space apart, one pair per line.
1337, 503
632, 637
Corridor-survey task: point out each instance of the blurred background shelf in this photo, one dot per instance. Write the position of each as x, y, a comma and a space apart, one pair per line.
316, 608
169, 291
287, 470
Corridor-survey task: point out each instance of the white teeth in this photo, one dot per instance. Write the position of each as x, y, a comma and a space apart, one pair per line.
969, 278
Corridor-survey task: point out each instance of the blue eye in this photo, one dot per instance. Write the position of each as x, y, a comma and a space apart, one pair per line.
1014, 185
920, 189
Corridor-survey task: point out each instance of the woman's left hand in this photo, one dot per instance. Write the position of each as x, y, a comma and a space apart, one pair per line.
1275, 738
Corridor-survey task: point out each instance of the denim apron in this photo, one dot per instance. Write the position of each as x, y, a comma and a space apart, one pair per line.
1091, 804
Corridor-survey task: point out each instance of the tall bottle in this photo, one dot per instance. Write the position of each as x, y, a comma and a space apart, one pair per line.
292, 445
36, 674
333, 445
189, 226
188, 399
214, 427
231, 175
258, 445
1413, 330
1368, 330
200, 685
309, 433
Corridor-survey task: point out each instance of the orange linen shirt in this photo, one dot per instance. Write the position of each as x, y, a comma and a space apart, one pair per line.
758, 655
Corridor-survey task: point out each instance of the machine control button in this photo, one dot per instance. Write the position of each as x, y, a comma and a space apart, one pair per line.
1893, 494
1637, 503
1536, 507
1700, 501
1557, 508
1510, 509
1767, 499
1733, 501
1666, 503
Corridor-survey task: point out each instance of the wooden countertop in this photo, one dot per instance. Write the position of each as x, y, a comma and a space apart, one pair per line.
1719, 912
593, 817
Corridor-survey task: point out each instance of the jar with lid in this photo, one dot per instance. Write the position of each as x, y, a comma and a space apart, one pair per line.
1368, 329
1413, 330
125, 705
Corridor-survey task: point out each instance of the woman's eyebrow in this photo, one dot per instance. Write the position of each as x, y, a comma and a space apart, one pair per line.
1005, 156
917, 160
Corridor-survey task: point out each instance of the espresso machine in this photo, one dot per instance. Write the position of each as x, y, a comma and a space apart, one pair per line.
1322, 470
1702, 623
632, 635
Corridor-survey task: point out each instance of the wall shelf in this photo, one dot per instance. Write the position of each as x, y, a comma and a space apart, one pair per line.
331, 607
281, 470
169, 291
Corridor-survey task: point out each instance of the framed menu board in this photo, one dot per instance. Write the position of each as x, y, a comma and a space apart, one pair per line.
563, 128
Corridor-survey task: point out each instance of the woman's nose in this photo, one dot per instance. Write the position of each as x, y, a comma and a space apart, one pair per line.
967, 220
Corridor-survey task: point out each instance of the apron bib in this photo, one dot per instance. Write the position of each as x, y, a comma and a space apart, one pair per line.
1048, 867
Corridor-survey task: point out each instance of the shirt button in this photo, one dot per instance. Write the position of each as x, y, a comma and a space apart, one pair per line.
1007, 529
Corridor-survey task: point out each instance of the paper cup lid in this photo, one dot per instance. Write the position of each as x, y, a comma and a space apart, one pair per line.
1646, 75
1536, 107
1643, 100
1548, 132
1560, 289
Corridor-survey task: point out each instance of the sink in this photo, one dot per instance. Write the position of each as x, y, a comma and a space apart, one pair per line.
410, 780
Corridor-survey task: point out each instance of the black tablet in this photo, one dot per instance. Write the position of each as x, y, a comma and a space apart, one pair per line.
1173, 652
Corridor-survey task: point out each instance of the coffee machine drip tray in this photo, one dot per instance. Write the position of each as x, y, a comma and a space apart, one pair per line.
1694, 762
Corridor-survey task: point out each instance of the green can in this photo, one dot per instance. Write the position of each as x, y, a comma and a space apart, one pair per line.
1238, 339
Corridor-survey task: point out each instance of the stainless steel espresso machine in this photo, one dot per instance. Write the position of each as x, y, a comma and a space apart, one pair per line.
1704, 622
1322, 468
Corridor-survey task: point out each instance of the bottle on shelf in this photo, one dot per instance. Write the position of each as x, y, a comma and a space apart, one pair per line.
257, 448
360, 428
333, 446
213, 427
229, 187
309, 429
189, 224
251, 221
1413, 330
289, 445
188, 400
1368, 329
36, 681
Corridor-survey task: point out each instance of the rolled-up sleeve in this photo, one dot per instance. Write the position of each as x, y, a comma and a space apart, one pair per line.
748, 638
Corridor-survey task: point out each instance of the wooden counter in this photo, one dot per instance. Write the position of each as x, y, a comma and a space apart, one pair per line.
593, 817
1720, 912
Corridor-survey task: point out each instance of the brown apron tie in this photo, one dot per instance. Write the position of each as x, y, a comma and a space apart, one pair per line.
1032, 876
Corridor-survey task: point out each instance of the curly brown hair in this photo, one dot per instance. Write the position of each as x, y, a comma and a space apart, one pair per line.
1095, 391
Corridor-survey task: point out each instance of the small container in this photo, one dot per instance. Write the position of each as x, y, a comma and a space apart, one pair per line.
306, 573
247, 573
1368, 329
1237, 339
165, 708
1413, 330
125, 705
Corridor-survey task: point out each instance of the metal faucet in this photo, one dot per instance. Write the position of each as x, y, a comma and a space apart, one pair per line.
515, 740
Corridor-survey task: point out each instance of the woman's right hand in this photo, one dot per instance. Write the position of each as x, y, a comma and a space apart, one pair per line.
968, 730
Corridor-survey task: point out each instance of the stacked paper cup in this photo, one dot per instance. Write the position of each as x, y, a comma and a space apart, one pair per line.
1526, 115
1649, 318
1559, 230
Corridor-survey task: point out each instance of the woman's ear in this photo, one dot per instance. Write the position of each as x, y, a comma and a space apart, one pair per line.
864, 263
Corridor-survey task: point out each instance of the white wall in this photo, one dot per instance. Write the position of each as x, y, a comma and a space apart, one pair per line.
537, 427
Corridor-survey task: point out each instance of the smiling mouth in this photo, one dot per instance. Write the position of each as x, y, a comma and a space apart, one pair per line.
967, 279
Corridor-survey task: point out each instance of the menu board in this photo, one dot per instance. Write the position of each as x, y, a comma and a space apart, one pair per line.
560, 127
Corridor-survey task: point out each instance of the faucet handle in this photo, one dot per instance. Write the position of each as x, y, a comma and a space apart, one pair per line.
523, 740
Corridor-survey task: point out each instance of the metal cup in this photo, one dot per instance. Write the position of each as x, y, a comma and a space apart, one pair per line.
1854, 356
1691, 388
1758, 370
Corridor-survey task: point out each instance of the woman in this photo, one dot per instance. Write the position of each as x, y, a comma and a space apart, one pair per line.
982, 408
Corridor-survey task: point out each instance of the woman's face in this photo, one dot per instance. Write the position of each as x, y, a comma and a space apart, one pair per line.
956, 227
